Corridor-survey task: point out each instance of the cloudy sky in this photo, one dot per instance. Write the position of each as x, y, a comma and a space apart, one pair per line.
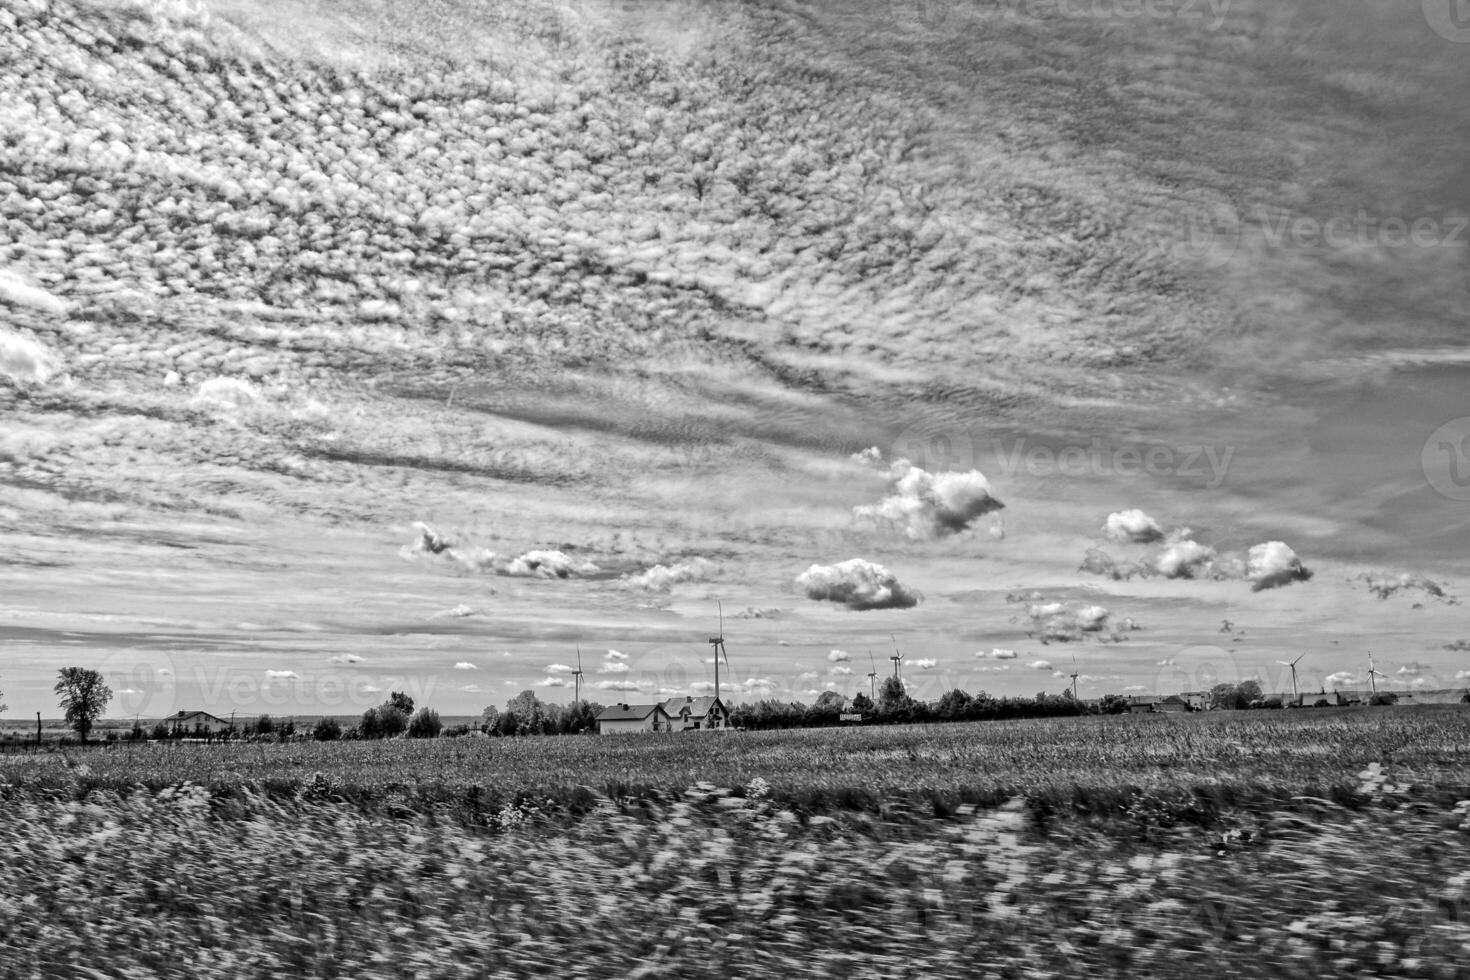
411, 347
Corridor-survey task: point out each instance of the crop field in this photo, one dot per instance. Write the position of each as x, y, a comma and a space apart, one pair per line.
1227, 845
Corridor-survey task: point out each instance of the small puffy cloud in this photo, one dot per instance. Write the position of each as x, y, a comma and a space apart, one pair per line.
932, 505
471, 689
1070, 621
226, 394
280, 675
456, 612
1342, 677
1133, 526
1099, 562
872, 456
1184, 559
1040, 665
661, 578
840, 671
1272, 565
548, 564
839, 656
1385, 584
552, 682
344, 658
1060, 673
925, 663
614, 655
429, 540
750, 612
807, 675
465, 665
703, 687
1462, 675
560, 669
612, 667
617, 686
758, 685
23, 359
999, 653
1413, 667
1167, 662
1134, 689
858, 584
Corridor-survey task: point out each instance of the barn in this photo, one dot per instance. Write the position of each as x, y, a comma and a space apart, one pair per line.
689, 713
617, 719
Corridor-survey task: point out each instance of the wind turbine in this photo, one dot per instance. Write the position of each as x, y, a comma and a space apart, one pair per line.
718, 643
1073, 675
1296, 694
1373, 674
897, 657
873, 678
577, 677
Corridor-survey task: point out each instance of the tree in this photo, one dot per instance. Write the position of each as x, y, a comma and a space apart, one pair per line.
326, 730
160, 732
529, 712
862, 704
402, 702
264, 725
891, 696
488, 717
84, 695
425, 724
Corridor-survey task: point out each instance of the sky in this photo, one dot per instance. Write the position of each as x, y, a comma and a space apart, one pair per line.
430, 346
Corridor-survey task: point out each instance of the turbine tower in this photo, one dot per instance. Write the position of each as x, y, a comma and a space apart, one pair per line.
1373, 674
1073, 675
897, 658
577, 676
718, 643
1296, 694
873, 678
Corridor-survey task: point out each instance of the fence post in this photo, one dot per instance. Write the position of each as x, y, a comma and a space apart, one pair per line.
38, 729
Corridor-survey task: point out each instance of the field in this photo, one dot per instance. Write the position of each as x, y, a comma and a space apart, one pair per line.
1242, 844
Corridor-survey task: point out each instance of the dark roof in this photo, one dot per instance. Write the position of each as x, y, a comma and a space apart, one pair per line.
628, 712
698, 707
192, 714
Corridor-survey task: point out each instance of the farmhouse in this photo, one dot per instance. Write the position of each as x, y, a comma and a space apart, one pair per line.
689, 713
1143, 704
618, 718
195, 721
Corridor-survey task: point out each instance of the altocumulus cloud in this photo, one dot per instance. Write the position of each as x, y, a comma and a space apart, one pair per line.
464, 665
23, 359
548, 564
857, 584
280, 675
839, 656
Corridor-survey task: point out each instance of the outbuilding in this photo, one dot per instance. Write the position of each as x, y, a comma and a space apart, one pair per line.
616, 719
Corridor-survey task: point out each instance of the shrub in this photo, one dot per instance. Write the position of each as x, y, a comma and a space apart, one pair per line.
326, 730
425, 724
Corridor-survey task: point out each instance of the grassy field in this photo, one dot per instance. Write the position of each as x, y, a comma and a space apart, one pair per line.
1249, 844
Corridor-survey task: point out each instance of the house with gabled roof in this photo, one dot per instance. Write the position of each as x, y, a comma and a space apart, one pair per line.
690, 713
621, 718
195, 721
